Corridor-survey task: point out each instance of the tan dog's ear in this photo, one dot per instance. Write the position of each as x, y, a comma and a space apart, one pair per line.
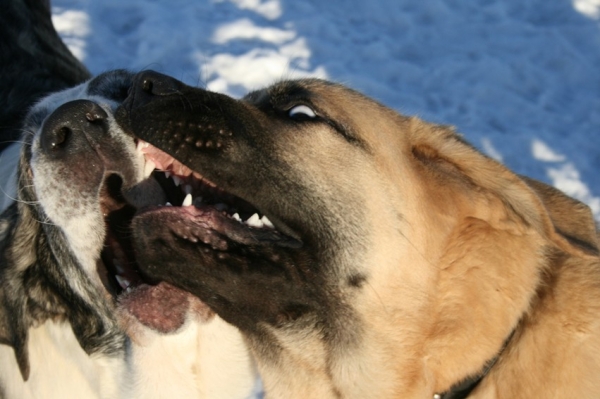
572, 219
564, 221
494, 231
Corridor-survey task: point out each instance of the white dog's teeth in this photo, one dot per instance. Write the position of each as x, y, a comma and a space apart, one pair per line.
167, 174
118, 266
177, 181
123, 282
187, 189
187, 200
237, 217
149, 167
254, 221
168, 204
265, 220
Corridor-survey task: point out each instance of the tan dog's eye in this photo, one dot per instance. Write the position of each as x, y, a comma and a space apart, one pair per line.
302, 112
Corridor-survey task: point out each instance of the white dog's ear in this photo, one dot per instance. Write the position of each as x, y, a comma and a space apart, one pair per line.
15, 247
499, 196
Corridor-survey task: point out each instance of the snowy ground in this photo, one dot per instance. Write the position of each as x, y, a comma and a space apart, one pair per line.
520, 79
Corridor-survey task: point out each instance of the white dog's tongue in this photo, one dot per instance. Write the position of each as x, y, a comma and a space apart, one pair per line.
162, 307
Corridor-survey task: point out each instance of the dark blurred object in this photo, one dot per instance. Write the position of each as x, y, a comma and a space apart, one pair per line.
33, 62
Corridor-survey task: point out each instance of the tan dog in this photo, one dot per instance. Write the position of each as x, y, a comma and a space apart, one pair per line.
387, 259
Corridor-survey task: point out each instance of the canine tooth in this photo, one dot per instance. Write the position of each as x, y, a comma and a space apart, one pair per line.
123, 282
237, 217
118, 266
254, 221
149, 167
187, 189
141, 145
265, 220
187, 201
177, 181
167, 174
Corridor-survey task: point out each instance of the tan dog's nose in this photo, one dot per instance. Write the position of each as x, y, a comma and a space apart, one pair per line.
148, 85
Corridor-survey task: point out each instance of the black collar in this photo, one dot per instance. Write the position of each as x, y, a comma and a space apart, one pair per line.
463, 389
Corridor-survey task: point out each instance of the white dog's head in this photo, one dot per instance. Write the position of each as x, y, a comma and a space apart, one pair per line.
65, 242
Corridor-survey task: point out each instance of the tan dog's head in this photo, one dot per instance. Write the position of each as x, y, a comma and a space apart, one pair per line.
394, 245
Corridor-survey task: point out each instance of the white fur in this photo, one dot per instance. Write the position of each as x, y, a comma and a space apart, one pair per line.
202, 360
60, 368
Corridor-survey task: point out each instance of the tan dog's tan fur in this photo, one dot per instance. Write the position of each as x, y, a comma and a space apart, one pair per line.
462, 253
421, 262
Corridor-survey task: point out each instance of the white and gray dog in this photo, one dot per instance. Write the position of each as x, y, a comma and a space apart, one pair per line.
77, 320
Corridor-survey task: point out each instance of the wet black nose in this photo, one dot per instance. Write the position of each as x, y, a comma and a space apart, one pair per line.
148, 85
71, 123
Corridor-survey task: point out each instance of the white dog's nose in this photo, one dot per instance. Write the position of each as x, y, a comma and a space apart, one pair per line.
71, 122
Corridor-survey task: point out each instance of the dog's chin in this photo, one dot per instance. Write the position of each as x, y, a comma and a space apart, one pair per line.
139, 299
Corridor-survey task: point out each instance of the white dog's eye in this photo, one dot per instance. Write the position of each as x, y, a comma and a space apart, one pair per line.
301, 111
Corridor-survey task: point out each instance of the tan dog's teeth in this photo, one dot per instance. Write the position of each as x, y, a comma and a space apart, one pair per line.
187, 201
141, 145
254, 221
149, 167
265, 220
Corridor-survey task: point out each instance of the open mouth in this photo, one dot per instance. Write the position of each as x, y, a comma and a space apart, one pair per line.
203, 210
194, 190
196, 211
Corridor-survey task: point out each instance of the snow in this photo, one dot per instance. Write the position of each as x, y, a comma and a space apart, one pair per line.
520, 79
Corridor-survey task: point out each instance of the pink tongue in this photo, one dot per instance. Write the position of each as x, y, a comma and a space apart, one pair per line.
161, 307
